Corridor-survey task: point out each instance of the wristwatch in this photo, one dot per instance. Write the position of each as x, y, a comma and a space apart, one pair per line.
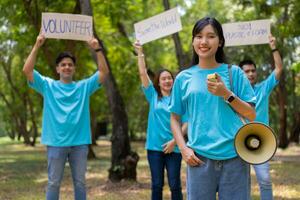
230, 98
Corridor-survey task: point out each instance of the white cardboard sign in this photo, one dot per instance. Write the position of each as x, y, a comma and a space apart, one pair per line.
245, 33
158, 26
67, 26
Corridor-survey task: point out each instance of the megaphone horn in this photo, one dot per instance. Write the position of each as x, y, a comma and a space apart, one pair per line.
255, 143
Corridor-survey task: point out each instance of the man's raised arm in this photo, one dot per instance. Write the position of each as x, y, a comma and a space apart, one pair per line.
101, 62
31, 59
276, 57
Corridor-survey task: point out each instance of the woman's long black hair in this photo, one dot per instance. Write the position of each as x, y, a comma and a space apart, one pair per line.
200, 24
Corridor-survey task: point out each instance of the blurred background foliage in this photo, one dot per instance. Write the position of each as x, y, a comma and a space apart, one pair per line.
21, 107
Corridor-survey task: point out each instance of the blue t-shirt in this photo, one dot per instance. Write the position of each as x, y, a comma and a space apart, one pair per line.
262, 91
159, 128
66, 113
212, 123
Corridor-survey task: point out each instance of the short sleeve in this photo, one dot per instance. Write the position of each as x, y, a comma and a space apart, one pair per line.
38, 83
176, 103
242, 86
270, 83
93, 83
184, 118
149, 91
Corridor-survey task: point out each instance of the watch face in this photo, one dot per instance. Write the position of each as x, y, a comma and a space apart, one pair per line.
230, 99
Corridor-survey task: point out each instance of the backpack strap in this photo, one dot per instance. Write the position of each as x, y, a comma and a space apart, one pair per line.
231, 88
230, 77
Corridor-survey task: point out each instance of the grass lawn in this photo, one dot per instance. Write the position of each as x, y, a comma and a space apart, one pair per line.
23, 175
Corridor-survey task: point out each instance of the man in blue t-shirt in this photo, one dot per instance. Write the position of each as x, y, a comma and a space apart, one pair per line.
66, 117
262, 91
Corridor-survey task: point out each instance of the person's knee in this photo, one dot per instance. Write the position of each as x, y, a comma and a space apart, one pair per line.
157, 187
157, 184
265, 183
79, 181
175, 189
54, 184
175, 185
79, 185
264, 180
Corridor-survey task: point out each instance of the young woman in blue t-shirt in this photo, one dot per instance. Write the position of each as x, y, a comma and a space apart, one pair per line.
162, 151
211, 106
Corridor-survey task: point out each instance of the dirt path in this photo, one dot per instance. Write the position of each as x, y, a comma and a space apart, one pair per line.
290, 154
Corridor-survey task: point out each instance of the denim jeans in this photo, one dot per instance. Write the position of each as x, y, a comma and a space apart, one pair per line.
158, 161
264, 180
57, 157
229, 178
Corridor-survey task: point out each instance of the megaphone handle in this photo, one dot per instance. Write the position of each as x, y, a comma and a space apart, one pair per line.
242, 119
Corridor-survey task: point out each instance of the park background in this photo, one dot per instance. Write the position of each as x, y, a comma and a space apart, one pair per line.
119, 110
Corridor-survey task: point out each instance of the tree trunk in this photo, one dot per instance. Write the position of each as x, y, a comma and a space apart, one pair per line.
182, 59
19, 116
282, 94
295, 130
33, 120
91, 153
123, 160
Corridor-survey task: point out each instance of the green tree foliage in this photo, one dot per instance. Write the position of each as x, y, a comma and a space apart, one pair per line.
114, 22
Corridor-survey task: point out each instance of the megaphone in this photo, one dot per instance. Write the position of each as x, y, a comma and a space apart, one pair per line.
255, 143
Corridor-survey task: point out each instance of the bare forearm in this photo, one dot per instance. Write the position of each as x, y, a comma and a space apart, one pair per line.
276, 57
243, 108
143, 70
184, 128
177, 131
141, 64
278, 64
102, 66
30, 62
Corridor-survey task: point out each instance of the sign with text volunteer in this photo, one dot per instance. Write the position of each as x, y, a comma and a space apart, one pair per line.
67, 26
246, 33
158, 26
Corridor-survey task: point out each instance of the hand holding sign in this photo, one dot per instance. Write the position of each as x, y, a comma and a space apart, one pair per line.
272, 42
40, 40
138, 47
94, 43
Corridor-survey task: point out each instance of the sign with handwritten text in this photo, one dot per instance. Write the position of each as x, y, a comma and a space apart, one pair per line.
244, 33
158, 26
67, 26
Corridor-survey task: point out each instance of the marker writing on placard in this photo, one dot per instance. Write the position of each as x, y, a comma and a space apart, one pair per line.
243, 34
154, 26
168, 21
67, 26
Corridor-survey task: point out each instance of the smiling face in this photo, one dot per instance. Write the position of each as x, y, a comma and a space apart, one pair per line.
165, 81
66, 69
206, 43
251, 73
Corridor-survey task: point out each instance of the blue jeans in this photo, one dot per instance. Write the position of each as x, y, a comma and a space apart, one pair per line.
158, 161
57, 157
229, 178
264, 180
